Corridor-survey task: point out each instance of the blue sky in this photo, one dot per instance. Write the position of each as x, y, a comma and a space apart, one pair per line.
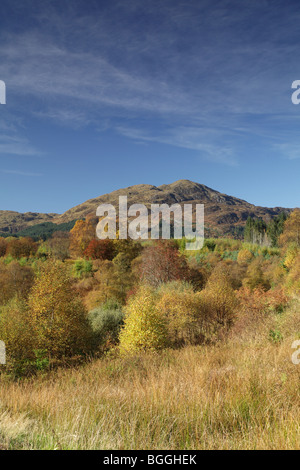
108, 94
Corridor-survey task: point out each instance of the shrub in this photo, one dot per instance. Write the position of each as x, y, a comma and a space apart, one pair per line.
19, 338
182, 310
219, 300
57, 316
100, 249
144, 326
244, 256
255, 277
106, 322
22, 247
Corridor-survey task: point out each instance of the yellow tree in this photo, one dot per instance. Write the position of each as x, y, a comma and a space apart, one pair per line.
291, 231
58, 317
219, 299
145, 327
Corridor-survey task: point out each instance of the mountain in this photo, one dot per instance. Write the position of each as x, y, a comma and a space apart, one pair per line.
224, 215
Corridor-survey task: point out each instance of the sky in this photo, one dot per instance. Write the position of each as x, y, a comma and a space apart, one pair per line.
102, 95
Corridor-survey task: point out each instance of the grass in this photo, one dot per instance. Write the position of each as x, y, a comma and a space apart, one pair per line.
242, 394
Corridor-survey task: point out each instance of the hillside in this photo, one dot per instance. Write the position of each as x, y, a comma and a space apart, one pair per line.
12, 222
223, 214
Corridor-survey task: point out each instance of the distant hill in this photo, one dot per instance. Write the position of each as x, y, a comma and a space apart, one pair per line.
224, 215
12, 222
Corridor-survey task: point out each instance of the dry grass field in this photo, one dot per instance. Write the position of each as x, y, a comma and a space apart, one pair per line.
241, 394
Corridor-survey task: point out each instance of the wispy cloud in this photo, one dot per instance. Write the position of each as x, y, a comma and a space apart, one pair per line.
201, 73
15, 145
290, 151
20, 173
197, 139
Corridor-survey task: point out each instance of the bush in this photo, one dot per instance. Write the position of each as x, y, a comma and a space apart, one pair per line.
185, 316
144, 326
57, 316
106, 322
18, 336
219, 302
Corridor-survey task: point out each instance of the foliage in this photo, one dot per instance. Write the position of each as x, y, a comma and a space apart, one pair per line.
144, 326
59, 245
82, 268
18, 335
183, 312
256, 231
45, 230
21, 247
275, 228
106, 321
219, 300
15, 281
162, 263
81, 235
291, 230
57, 317
100, 249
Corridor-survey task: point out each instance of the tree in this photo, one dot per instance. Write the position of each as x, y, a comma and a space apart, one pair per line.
22, 248
17, 334
291, 230
57, 316
182, 309
255, 277
59, 245
145, 328
162, 262
3, 247
81, 235
111, 283
275, 228
100, 249
219, 299
15, 281
256, 232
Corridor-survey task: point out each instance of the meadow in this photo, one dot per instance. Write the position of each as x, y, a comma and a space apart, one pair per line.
243, 394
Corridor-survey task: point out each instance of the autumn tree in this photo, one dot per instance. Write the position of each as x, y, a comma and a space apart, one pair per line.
111, 282
145, 328
182, 310
291, 230
59, 245
219, 299
3, 247
162, 262
17, 334
81, 235
15, 281
100, 249
57, 315
255, 277
22, 247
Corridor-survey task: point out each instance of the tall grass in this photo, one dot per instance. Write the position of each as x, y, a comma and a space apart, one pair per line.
235, 395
